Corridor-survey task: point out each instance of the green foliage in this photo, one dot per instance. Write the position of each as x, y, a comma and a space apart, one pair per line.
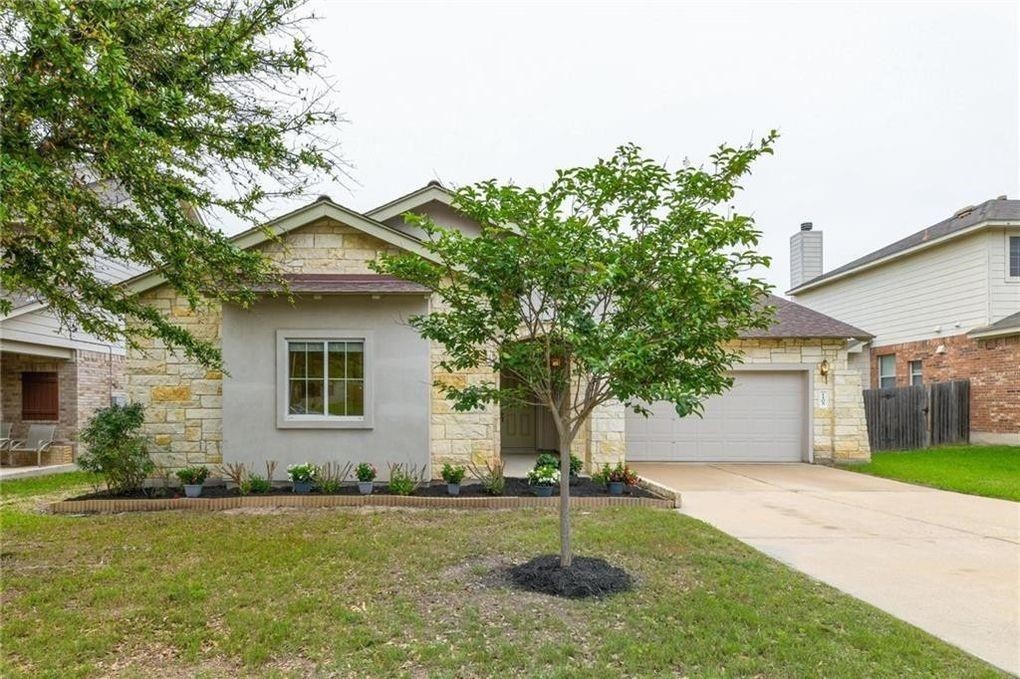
452, 474
547, 475
365, 472
621, 473
490, 476
404, 479
302, 473
552, 458
193, 476
121, 122
255, 484
115, 449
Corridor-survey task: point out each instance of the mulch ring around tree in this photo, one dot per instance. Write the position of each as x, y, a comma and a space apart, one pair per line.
586, 577
515, 487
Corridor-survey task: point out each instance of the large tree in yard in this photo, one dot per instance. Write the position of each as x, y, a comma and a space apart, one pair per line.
622, 281
121, 121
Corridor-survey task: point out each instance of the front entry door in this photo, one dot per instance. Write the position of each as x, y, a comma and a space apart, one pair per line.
517, 433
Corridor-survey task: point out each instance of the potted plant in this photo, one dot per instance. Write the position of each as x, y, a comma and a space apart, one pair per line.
302, 476
193, 478
552, 458
453, 476
616, 477
366, 474
543, 479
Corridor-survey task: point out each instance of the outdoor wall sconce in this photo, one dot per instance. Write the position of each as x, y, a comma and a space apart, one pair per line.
823, 369
555, 362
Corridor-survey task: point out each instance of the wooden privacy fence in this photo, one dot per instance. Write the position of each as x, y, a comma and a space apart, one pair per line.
920, 416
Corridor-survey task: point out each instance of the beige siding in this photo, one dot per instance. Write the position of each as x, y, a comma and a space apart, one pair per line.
937, 292
1003, 292
42, 327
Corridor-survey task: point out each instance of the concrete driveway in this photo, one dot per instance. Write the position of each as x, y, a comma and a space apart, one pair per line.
945, 562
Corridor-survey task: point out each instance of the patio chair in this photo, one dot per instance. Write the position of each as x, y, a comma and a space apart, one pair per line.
40, 437
5, 438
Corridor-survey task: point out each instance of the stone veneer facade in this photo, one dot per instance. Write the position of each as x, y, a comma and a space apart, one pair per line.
183, 400
992, 366
85, 383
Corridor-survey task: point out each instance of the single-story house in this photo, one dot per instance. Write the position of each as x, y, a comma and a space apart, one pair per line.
340, 376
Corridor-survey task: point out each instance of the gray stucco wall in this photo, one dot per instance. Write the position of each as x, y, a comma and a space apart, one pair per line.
399, 371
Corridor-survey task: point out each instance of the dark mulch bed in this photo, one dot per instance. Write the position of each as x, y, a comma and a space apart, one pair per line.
515, 487
586, 577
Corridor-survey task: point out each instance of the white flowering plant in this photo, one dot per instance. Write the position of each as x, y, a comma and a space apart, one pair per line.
302, 473
546, 475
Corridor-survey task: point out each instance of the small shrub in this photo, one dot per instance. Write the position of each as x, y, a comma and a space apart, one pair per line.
490, 476
255, 484
453, 474
404, 480
552, 459
331, 476
544, 476
193, 476
238, 475
302, 473
115, 449
365, 472
270, 470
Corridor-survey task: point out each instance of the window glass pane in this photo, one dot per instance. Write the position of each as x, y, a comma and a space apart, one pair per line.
356, 397
887, 382
315, 357
297, 359
355, 360
336, 360
337, 397
298, 402
315, 397
1014, 256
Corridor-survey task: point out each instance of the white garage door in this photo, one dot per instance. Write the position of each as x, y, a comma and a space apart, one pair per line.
763, 418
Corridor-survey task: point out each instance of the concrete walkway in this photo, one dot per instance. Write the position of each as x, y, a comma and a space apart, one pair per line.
8, 473
945, 562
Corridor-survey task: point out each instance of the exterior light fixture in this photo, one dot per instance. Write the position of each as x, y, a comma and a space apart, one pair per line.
823, 369
555, 362
940, 349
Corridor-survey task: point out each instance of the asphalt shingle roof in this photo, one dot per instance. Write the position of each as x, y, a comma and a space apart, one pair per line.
794, 320
1007, 323
999, 209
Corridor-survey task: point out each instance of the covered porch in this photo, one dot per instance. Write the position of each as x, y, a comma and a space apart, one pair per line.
38, 401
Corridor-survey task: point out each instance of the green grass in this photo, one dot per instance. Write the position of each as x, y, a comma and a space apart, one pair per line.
406, 592
992, 471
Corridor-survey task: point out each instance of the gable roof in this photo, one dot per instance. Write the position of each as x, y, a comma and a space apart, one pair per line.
433, 191
320, 208
964, 221
1010, 325
793, 320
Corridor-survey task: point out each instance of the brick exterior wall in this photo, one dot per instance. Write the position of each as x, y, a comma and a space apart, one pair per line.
991, 365
85, 383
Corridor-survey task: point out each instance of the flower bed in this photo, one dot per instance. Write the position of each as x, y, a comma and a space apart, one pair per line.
584, 493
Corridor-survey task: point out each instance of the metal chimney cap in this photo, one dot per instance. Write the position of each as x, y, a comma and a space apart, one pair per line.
806, 226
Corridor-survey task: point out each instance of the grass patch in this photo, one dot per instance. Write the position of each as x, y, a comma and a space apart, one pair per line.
363, 592
991, 471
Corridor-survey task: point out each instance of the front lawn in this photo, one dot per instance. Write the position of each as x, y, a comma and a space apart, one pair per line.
410, 592
992, 471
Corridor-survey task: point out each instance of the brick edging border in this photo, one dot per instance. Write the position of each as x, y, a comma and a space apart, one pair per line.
320, 501
659, 489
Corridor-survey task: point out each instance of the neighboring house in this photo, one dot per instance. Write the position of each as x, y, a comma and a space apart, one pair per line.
340, 375
943, 303
52, 375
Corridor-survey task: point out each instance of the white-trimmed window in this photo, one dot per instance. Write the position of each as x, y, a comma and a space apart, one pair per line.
323, 380
1013, 256
916, 373
887, 371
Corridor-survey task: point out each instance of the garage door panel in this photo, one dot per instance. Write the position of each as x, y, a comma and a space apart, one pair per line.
762, 418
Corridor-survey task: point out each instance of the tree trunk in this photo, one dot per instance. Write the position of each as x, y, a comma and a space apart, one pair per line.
565, 556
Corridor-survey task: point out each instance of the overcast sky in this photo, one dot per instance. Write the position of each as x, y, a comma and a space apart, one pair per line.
892, 116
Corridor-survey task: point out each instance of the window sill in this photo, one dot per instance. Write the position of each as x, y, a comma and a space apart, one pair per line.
283, 422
